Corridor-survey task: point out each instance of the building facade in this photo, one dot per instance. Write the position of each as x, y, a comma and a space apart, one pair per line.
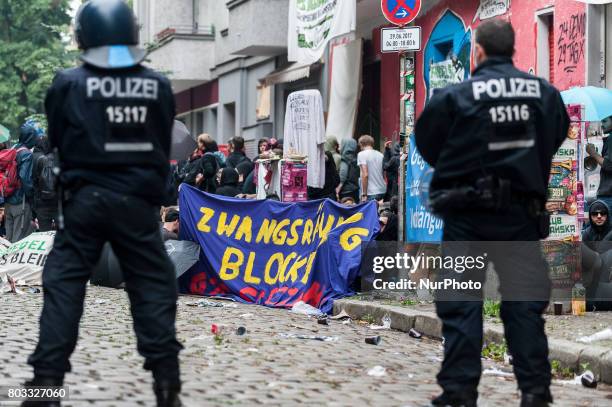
228, 59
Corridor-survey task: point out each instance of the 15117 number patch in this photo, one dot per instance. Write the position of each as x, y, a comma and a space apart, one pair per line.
127, 114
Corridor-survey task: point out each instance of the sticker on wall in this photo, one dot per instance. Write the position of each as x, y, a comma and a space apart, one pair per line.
491, 8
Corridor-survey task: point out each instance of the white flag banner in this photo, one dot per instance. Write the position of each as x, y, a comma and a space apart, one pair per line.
24, 260
312, 23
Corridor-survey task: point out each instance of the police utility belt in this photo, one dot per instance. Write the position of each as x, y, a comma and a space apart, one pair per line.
489, 194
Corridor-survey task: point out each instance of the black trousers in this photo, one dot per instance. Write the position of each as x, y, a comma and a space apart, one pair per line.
94, 216
524, 287
46, 213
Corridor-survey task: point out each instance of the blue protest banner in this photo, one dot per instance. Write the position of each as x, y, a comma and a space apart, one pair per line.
421, 225
274, 253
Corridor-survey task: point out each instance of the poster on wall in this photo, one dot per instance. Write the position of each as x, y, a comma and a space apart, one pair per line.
491, 8
444, 73
313, 23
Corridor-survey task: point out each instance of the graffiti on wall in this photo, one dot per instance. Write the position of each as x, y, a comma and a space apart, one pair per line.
447, 53
444, 73
571, 42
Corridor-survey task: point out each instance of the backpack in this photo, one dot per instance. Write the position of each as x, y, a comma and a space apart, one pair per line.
352, 178
46, 178
9, 175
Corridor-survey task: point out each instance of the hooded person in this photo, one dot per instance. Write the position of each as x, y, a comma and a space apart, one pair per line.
349, 171
599, 227
228, 185
391, 164
18, 209
331, 145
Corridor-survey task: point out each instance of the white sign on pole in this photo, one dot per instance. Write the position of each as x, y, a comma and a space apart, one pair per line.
400, 39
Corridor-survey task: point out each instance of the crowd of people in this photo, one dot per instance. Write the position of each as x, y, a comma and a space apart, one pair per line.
29, 198
355, 172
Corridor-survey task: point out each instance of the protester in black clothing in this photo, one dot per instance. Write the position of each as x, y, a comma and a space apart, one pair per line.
170, 226
604, 192
228, 185
391, 164
244, 169
203, 175
599, 227
332, 180
388, 226
236, 152
43, 179
349, 171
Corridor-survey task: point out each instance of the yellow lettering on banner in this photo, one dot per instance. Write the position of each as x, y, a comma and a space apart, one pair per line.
280, 235
325, 231
293, 271
318, 226
223, 228
353, 219
351, 238
230, 269
292, 241
307, 235
245, 229
266, 230
203, 223
283, 267
249, 278
275, 258
311, 258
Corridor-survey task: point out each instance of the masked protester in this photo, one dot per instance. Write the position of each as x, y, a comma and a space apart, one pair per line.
110, 120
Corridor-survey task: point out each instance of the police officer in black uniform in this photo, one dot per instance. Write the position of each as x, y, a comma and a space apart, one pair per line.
491, 140
110, 120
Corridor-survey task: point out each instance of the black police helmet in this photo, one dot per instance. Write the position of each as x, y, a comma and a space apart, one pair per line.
107, 32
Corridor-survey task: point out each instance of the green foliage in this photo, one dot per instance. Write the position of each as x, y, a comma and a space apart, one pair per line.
495, 351
369, 318
33, 41
491, 309
560, 372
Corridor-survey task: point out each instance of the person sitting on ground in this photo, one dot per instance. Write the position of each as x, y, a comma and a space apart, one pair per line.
171, 225
244, 169
348, 201
388, 222
237, 155
599, 229
228, 184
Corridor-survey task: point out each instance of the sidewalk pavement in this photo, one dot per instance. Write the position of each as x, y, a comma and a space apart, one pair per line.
563, 331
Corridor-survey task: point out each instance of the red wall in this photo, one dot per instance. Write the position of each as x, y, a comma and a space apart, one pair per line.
197, 97
569, 39
389, 89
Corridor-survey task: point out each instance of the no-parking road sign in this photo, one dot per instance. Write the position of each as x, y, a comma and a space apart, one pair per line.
400, 12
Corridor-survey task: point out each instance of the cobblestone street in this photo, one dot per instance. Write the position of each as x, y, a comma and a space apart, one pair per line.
259, 367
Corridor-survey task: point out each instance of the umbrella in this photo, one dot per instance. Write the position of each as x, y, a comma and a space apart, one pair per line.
183, 254
597, 101
182, 142
5, 134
